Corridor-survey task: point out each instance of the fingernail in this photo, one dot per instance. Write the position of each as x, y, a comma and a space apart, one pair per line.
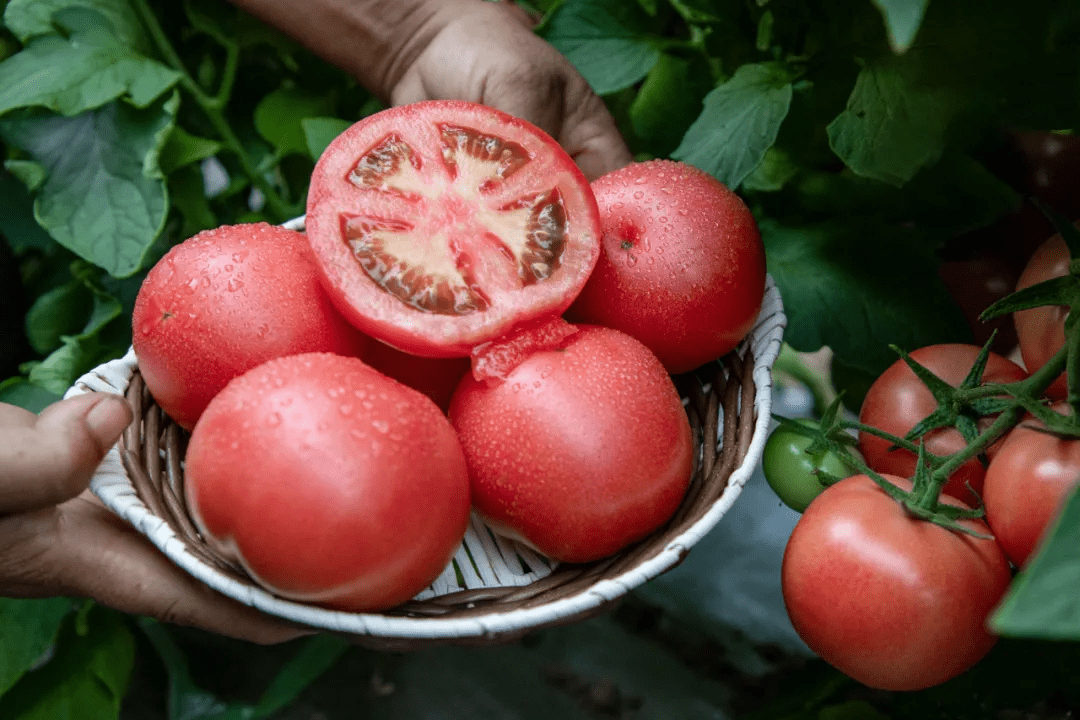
108, 418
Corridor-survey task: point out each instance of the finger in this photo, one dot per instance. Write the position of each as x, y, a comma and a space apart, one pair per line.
82, 549
50, 458
593, 139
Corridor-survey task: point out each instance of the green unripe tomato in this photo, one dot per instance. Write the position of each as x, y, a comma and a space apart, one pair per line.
792, 472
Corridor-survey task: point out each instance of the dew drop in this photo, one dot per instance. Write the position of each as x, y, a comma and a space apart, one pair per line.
345, 409
638, 194
234, 285
273, 419
381, 425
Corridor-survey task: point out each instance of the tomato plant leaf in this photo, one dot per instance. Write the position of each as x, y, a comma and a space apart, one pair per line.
859, 302
315, 657
607, 41
21, 392
86, 678
188, 195
739, 123
668, 100
105, 197
897, 117
696, 11
902, 20
29, 627
182, 149
320, 132
82, 71
61, 311
27, 19
1042, 601
773, 173
280, 114
17, 215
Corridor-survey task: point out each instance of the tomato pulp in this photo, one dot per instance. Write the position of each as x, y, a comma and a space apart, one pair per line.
441, 225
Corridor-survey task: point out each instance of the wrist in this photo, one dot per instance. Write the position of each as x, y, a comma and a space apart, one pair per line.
374, 40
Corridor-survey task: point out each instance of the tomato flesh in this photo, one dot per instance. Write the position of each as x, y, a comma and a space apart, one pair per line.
442, 225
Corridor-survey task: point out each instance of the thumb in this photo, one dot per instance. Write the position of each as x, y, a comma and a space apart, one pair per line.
50, 458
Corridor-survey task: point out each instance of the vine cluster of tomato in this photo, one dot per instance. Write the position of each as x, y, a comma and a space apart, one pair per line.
355, 391
915, 516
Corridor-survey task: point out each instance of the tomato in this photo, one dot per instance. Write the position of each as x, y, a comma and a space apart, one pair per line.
683, 265
329, 482
582, 449
435, 377
1041, 330
895, 602
792, 472
224, 301
898, 400
975, 283
442, 225
1027, 484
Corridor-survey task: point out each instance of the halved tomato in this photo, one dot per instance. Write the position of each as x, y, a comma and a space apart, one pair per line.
444, 224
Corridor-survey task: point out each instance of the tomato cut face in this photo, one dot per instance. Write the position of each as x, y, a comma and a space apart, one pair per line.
442, 225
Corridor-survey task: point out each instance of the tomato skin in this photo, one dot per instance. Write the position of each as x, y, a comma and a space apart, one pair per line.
683, 264
1041, 330
581, 450
895, 602
792, 472
455, 218
1026, 486
329, 482
224, 301
435, 377
898, 400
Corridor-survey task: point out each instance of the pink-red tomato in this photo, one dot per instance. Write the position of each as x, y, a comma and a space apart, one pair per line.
898, 400
683, 265
329, 482
224, 301
443, 224
581, 449
435, 377
895, 602
1026, 486
1041, 330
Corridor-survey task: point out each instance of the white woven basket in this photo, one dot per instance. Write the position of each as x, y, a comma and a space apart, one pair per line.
485, 562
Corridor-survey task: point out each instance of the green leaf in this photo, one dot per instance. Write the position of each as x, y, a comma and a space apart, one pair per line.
17, 215
28, 627
696, 11
85, 680
774, 171
315, 657
183, 149
857, 287
31, 174
739, 123
280, 114
608, 41
187, 191
320, 132
669, 99
23, 393
898, 116
1042, 601
85, 70
104, 198
60, 311
27, 19
902, 20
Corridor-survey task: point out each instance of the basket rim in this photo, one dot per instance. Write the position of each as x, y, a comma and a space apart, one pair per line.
114, 488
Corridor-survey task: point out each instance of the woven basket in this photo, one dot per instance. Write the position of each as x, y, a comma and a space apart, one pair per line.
494, 589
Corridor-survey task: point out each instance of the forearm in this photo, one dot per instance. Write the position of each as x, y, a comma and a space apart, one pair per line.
374, 40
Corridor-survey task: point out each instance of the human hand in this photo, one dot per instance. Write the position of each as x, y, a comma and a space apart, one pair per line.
486, 52
57, 539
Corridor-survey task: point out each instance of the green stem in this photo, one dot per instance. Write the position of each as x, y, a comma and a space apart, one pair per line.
214, 108
789, 363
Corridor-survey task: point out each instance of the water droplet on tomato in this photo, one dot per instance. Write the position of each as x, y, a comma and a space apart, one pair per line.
381, 425
345, 409
234, 285
273, 419
638, 194
631, 259
641, 180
